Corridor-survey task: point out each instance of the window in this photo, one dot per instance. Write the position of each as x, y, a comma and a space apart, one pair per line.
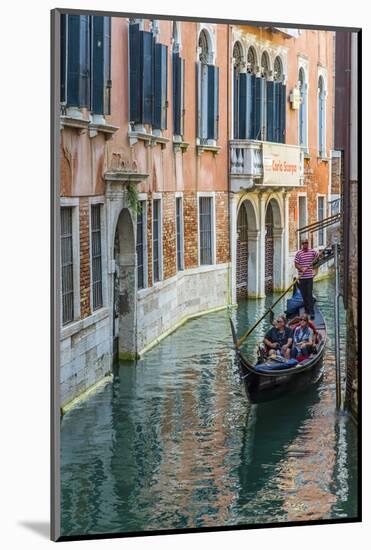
276, 104
302, 109
206, 230
156, 244
148, 78
239, 94
320, 216
262, 93
96, 256
67, 265
207, 93
86, 62
178, 85
179, 234
321, 117
141, 231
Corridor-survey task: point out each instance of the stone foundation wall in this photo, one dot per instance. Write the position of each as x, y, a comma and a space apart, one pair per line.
85, 354
190, 292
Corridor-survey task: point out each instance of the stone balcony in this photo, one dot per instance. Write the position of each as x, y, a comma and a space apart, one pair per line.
263, 164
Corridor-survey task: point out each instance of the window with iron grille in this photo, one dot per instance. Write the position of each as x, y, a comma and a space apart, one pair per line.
321, 212
179, 234
156, 240
140, 244
206, 232
67, 265
96, 256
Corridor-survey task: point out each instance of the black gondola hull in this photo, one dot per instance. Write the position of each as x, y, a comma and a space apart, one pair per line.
260, 389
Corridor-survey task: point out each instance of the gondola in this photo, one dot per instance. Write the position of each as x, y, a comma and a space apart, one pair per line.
272, 379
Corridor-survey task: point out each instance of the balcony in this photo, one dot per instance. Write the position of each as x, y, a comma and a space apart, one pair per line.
263, 164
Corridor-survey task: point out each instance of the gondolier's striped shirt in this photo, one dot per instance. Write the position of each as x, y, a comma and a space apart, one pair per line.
305, 259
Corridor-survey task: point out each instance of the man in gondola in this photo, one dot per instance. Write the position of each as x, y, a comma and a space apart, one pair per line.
279, 338
304, 259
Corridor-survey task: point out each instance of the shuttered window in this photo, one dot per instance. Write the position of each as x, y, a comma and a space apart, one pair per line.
206, 230
178, 94
96, 256
100, 61
86, 62
321, 215
179, 234
207, 101
140, 244
67, 265
160, 84
148, 74
156, 243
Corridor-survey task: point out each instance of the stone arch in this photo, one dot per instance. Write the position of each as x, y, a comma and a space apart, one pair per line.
274, 242
247, 251
124, 286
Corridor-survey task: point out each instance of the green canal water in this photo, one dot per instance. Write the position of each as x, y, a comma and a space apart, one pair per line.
174, 443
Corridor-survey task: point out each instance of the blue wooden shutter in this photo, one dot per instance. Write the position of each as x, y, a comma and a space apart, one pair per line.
250, 115
77, 93
97, 56
160, 87
182, 84
282, 135
236, 82
270, 110
135, 73
242, 106
277, 111
176, 93
198, 99
63, 57
259, 96
212, 102
107, 65
84, 83
148, 81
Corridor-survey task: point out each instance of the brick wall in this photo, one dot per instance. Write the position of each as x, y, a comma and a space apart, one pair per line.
85, 309
335, 175
222, 228
169, 235
352, 310
190, 230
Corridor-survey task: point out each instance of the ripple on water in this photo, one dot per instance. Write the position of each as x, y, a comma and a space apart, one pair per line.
173, 442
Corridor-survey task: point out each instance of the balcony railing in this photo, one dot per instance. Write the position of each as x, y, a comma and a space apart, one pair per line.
263, 163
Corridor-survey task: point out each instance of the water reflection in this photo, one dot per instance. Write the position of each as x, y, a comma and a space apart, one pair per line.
173, 442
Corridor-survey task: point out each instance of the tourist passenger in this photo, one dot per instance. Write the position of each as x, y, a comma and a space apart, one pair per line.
303, 338
279, 338
304, 264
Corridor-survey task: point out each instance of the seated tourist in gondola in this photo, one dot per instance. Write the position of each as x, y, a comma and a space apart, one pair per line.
278, 339
303, 338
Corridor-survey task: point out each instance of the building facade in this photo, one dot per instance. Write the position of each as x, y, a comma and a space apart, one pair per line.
187, 165
280, 170
346, 144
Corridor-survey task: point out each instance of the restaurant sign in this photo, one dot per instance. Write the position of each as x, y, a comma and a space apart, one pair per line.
281, 164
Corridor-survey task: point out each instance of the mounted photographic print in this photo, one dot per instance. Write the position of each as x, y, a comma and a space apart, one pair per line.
205, 368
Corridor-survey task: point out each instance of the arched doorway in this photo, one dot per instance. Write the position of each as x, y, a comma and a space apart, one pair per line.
273, 247
247, 252
124, 288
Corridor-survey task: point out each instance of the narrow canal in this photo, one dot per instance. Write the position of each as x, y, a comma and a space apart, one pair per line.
173, 442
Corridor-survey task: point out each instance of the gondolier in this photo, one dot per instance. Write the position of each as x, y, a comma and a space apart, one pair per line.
304, 259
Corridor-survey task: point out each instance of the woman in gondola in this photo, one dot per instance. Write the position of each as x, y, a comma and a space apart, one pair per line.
303, 338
